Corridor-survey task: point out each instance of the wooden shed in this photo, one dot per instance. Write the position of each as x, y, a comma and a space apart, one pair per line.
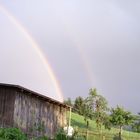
35, 114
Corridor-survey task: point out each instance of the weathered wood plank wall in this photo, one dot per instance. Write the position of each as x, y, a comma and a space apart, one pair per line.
7, 97
36, 116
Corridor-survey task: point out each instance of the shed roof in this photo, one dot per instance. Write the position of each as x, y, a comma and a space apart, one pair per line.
33, 93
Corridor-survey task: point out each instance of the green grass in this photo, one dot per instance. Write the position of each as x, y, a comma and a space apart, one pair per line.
78, 122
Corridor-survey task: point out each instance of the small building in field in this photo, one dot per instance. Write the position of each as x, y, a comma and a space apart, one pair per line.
33, 113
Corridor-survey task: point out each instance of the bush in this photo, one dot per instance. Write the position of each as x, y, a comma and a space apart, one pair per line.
60, 135
40, 138
12, 134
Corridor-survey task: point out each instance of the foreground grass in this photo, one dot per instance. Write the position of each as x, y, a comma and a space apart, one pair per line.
78, 122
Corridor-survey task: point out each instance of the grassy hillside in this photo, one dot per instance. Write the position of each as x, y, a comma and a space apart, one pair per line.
78, 122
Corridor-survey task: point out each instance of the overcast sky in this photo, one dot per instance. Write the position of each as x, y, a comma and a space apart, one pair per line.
88, 43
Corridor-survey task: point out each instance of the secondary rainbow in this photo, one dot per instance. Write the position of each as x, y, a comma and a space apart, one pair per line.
36, 48
78, 45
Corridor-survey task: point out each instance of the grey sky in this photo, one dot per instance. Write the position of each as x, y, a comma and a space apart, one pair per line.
88, 44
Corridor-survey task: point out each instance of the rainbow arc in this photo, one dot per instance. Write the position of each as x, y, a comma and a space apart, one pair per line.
37, 49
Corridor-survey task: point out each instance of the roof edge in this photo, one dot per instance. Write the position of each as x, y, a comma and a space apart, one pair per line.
35, 93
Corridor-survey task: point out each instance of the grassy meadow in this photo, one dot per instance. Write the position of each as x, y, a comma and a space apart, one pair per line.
79, 124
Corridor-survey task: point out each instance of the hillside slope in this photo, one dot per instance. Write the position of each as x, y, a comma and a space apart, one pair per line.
77, 121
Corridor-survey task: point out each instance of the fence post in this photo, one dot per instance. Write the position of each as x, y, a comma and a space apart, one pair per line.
87, 135
103, 137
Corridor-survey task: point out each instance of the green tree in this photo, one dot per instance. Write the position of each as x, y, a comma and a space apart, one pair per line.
78, 106
136, 124
99, 107
107, 122
87, 113
120, 117
68, 102
83, 109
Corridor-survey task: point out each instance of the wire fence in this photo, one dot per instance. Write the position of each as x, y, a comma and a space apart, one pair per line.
90, 135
